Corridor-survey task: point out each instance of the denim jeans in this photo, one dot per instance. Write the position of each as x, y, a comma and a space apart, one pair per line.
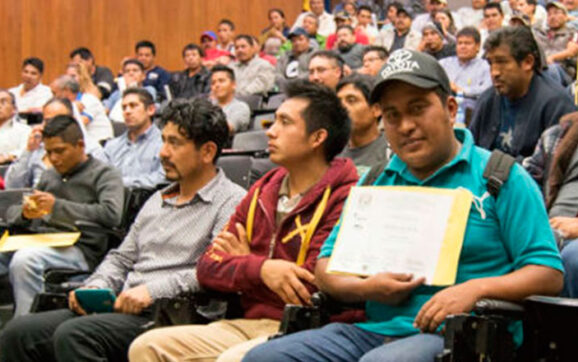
346, 342
569, 255
26, 268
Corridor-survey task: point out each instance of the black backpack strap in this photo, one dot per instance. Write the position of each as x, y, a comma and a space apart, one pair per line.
374, 173
497, 171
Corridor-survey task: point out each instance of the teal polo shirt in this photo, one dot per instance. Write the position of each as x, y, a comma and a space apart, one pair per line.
502, 235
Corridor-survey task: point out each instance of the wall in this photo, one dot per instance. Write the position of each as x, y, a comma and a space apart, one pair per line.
50, 29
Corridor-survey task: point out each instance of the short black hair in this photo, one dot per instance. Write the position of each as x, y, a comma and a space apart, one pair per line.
192, 46
348, 27
532, 2
324, 111
496, 6
65, 127
364, 7
363, 83
223, 68
146, 44
83, 52
199, 121
331, 55
227, 22
63, 101
382, 53
521, 42
35, 62
276, 10
246, 37
396, 5
133, 61
143, 95
471, 32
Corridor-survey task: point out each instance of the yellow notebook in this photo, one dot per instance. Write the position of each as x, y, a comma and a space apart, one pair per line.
16, 242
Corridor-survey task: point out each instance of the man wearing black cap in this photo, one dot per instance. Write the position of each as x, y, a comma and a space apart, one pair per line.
294, 63
503, 256
401, 36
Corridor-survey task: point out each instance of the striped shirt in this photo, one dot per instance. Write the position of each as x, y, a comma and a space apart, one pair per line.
166, 239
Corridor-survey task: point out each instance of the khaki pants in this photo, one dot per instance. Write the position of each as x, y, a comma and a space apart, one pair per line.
224, 341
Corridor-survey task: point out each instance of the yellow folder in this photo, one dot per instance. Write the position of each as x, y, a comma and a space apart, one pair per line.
449, 252
16, 242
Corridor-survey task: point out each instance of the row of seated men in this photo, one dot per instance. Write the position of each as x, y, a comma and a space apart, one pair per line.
256, 76
272, 244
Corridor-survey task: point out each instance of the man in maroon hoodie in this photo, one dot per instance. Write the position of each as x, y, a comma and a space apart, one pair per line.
269, 248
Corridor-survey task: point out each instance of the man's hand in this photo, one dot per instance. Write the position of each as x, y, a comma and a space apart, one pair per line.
73, 303
228, 243
566, 226
44, 201
133, 301
7, 158
37, 205
455, 88
459, 298
285, 279
390, 288
34, 138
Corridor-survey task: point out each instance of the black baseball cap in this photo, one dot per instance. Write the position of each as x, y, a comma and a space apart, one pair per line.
413, 67
407, 11
298, 31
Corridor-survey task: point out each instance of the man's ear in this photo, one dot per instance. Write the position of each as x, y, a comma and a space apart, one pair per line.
208, 152
528, 63
151, 110
452, 107
318, 137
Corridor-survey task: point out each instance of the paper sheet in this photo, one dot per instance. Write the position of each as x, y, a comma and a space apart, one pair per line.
417, 230
16, 242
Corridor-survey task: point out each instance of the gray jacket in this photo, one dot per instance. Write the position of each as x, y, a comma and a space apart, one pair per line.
92, 191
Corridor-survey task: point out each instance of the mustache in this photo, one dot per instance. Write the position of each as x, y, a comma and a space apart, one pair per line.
167, 163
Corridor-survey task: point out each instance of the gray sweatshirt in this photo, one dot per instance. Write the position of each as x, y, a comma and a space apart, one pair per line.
91, 191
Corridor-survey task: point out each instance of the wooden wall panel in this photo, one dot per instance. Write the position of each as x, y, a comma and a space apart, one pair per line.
110, 28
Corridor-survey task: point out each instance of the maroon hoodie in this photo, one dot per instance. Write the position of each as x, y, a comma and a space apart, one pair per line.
220, 271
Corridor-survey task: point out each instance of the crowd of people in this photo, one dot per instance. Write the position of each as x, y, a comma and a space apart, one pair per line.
412, 92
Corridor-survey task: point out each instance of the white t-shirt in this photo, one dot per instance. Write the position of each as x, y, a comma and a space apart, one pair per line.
34, 98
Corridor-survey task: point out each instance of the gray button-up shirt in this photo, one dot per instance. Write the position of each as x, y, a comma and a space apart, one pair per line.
166, 239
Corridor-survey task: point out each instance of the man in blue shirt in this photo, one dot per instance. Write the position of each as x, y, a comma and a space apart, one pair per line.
136, 152
156, 76
503, 256
468, 74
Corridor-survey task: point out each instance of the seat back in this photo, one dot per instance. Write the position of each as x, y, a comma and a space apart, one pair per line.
118, 128
250, 141
275, 101
237, 168
9, 198
254, 101
3, 170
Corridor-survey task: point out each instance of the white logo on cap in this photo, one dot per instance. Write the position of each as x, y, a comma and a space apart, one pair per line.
399, 61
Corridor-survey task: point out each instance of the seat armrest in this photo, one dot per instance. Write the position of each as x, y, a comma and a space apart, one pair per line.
499, 307
60, 275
